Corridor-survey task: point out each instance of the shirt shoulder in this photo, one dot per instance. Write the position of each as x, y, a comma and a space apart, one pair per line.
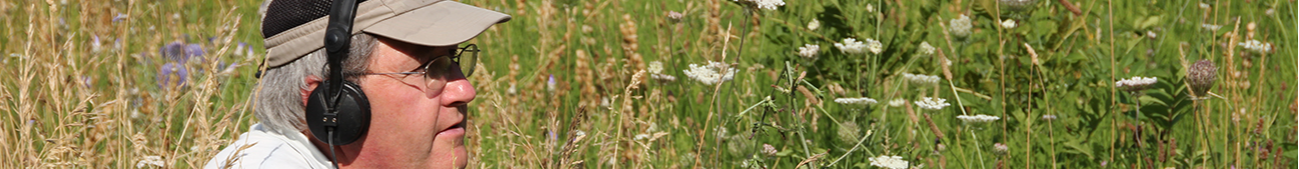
262, 148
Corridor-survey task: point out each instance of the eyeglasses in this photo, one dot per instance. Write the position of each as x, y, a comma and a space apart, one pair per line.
436, 71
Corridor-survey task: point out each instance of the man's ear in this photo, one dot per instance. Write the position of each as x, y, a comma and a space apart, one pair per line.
312, 81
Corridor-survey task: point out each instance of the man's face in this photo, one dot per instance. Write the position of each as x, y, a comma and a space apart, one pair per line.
414, 124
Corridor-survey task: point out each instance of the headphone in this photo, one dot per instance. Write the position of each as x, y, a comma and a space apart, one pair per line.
338, 112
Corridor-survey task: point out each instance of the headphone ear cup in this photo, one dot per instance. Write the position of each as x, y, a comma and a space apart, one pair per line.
351, 120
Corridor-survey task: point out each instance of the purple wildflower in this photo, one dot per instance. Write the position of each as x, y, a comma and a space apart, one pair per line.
174, 51
172, 72
120, 17
194, 50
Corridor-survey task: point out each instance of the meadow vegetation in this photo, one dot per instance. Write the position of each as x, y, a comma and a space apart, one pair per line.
709, 83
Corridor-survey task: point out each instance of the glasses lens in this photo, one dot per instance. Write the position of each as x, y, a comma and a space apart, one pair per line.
466, 59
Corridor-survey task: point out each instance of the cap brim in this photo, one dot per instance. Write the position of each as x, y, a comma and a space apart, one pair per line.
440, 24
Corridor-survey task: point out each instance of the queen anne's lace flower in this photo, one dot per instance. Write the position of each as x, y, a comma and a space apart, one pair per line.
814, 24
1136, 83
891, 162
1257, 46
978, 118
874, 46
897, 102
712, 73
1008, 24
809, 50
850, 46
767, 4
926, 49
860, 100
1210, 27
921, 79
932, 103
960, 27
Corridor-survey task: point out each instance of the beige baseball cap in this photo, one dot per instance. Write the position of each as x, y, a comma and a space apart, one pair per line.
294, 28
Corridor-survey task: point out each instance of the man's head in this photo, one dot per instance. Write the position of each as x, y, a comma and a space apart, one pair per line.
400, 57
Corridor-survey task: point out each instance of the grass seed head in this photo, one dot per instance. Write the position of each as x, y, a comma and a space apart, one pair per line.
1201, 77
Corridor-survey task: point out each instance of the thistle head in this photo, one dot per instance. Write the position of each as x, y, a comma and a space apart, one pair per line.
1201, 76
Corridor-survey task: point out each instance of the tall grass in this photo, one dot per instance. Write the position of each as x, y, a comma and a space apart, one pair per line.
574, 84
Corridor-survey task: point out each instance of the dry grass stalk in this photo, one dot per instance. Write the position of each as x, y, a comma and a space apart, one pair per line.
631, 45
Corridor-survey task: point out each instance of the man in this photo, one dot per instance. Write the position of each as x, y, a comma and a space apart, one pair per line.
404, 56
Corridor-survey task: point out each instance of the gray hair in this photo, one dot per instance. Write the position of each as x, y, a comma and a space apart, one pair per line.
280, 104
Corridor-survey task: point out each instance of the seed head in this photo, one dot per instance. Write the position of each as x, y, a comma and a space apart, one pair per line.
1201, 76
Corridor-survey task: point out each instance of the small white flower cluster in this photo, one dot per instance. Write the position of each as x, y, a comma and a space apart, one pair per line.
926, 49
1257, 46
1048, 117
1008, 24
850, 46
981, 118
1210, 27
712, 73
1136, 83
874, 46
656, 72
891, 162
960, 27
814, 24
859, 100
870, 8
930, 103
897, 102
767, 4
1000, 148
921, 79
809, 50
769, 150
151, 160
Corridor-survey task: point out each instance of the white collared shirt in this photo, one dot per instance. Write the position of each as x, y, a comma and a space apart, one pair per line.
270, 149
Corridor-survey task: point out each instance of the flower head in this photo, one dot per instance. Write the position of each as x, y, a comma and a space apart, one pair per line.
921, 79
809, 50
891, 162
1210, 27
675, 16
1201, 76
930, 103
859, 100
874, 46
172, 75
768, 150
712, 73
926, 49
1136, 83
1000, 148
1256, 46
550, 84
814, 24
1008, 24
655, 67
1048, 117
148, 161
850, 46
174, 51
897, 102
960, 27
766, 4
981, 118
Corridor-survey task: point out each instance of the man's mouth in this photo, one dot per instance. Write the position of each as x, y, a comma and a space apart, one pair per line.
459, 127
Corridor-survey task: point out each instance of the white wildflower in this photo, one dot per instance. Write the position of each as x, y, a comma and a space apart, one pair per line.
932, 103
641, 137
850, 46
960, 27
511, 90
1150, 34
769, 150
151, 160
1210, 27
981, 118
814, 24
94, 44
1256, 46
874, 46
1204, 5
1136, 83
767, 4
1048, 117
870, 8
926, 49
1000, 148
921, 79
664, 77
1008, 24
859, 100
897, 102
656, 67
891, 162
809, 50
712, 73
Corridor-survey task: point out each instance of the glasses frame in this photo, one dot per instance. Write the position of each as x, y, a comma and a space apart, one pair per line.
455, 58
